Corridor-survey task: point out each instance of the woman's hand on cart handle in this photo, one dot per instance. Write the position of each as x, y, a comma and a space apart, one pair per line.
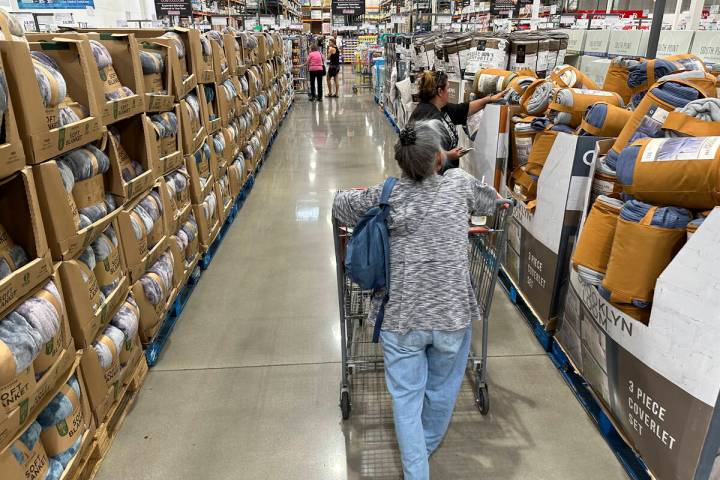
504, 202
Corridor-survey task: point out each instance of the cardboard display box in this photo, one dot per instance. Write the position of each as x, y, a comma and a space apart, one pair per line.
659, 382
706, 45
208, 228
82, 294
179, 205
20, 217
261, 52
541, 240
220, 59
105, 386
42, 136
66, 242
52, 441
209, 107
193, 130
12, 155
236, 61
137, 253
201, 171
159, 86
597, 42
202, 61
628, 43
135, 143
228, 108
225, 199
151, 316
167, 152
25, 396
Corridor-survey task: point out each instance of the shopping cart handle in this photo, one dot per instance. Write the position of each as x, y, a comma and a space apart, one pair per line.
478, 230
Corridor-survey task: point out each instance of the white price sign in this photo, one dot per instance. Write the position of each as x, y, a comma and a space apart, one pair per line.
444, 19
398, 19
267, 21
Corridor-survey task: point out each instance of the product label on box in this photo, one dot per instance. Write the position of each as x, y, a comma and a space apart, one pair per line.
600, 93
110, 80
16, 391
63, 435
682, 148
89, 192
108, 271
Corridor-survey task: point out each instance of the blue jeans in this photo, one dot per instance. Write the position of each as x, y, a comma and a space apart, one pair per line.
423, 372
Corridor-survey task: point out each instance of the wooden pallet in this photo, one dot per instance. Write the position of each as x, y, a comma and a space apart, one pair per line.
105, 434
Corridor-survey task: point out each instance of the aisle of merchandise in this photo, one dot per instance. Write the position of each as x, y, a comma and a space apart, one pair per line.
254, 363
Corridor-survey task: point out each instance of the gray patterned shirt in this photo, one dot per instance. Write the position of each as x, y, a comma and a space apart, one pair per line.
430, 285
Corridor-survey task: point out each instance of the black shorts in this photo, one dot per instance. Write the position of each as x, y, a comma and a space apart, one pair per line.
333, 71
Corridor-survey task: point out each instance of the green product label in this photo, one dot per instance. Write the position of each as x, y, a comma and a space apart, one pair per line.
49, 347
24, 409
61, 138
62, 428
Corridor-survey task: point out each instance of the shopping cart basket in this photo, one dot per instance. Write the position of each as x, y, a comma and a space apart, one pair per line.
360, 355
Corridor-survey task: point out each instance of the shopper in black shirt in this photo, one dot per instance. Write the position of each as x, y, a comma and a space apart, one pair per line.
333, 69
433, 93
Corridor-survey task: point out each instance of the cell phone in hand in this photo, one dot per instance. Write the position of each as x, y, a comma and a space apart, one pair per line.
465, 151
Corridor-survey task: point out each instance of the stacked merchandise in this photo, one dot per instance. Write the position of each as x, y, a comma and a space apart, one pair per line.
299, 57
644, 258
135, 142
349, 46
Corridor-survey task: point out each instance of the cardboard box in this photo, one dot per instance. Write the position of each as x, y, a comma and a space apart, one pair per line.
168, 151
627, 43
225, 199
208, 228
12, 156
221, 66
576, 41
193, 129
66, 242
261, 52
597, 42
673, 42
179, 204
595, 68
159, 86
39, 129
489, 133
139, 253
234, 54
106, 387
52, 441
657, 381
209, 106
229, 108
202, 60
548, 233
151, 316
200, 168
136, 142
81, 295
22, 222
25, 396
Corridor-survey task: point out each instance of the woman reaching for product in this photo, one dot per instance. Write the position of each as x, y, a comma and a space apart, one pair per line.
427, 324
433, 93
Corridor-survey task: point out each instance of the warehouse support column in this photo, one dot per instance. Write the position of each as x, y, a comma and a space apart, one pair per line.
655, 28
610, 5
696, 8
678, 11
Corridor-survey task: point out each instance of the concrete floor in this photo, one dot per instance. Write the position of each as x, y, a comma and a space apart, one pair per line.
247, 388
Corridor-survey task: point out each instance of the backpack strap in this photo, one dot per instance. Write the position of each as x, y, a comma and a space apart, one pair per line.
386, 191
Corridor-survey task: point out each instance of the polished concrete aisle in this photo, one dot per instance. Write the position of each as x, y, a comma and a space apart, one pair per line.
247, 388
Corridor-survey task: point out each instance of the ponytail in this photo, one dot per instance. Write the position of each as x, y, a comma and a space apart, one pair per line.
417, 148
427, 87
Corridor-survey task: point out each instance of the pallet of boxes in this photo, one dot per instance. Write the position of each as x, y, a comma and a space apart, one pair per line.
72, 360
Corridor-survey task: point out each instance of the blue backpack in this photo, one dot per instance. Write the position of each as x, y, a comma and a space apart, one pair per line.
367, 259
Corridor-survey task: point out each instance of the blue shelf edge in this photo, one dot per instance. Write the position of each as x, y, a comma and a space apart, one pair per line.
630, 461
155, 347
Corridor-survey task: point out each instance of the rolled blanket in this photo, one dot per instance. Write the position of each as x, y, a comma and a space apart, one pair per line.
11, 260
58, 463
489, 81
229, 90
244, 86
127, 318
604, 120
536, 98
570, 104
687, 61
517, 87
682, 171
209, 93
647, 119
158, 280
122, 92
205, 47
101, 54
105, 249
151, 62
594, 244
693, 226
699, 118
16, 28
567, 76
86, 162
177, 182
108, 346
209, 206
177, 41
141, 222
219, 143
166, 124
53, 88
643, 74
152, 204
646, 240
192, 107
61, 406
27, 441
43, 311
20, 344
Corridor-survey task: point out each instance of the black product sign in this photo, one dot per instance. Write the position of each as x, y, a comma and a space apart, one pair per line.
165, 8
348, 7
508, 7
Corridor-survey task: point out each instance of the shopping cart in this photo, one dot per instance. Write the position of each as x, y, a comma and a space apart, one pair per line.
360, 355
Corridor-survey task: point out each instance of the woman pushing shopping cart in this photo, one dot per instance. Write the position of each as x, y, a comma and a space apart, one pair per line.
441, 280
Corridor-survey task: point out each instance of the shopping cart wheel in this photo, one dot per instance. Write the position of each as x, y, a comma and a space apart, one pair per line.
345, 405
482, 399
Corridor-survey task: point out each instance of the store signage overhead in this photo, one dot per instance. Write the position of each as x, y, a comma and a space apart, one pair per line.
348, 7
166, 8
49, 4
